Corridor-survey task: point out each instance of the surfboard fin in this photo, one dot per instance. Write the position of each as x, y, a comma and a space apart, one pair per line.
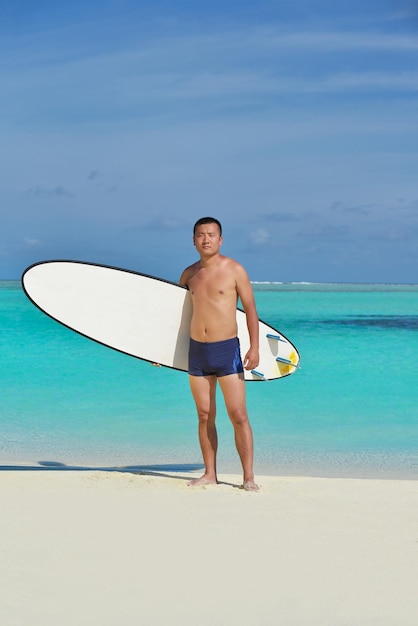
281, 359
258, 374
276, 337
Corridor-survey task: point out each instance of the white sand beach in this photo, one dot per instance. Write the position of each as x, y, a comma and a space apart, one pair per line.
97, 548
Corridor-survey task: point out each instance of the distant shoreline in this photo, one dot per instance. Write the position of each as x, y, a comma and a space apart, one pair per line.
298, 284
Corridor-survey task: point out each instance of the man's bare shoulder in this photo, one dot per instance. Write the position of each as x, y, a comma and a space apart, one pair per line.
233, 266
188, 273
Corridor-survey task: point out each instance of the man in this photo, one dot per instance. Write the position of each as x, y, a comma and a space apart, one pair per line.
215, 283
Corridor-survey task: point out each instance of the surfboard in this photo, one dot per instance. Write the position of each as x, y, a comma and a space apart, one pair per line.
140, 315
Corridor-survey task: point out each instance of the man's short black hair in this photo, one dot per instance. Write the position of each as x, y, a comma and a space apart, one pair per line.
207, 220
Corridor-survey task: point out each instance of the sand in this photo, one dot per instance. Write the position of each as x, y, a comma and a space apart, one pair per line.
87, 548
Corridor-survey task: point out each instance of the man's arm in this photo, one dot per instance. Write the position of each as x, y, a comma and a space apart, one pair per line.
246, 295
185, 277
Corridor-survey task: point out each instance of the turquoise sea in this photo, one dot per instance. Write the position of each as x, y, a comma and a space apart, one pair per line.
351, 410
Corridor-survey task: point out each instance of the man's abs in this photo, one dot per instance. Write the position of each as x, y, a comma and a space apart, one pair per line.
213, 323
217, 329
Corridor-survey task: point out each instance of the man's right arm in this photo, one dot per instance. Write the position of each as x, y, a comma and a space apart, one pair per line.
187, 275
184, 278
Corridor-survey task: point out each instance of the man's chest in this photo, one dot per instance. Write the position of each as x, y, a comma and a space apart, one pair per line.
211, 285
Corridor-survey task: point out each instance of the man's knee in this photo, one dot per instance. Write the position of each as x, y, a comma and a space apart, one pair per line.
205, 415
238, 416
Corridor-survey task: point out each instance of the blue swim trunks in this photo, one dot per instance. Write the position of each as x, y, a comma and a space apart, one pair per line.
219, 358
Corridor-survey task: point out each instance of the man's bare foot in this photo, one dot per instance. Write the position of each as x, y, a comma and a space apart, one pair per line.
202, 481
250, 485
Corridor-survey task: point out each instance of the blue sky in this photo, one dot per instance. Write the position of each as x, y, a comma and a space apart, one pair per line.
294, 123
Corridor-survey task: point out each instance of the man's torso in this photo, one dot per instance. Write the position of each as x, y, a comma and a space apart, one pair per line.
214, 296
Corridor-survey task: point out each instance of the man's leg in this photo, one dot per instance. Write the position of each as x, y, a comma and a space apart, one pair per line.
233, 389
204, 393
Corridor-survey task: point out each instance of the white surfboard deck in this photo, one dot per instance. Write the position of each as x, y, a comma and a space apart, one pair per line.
140, 315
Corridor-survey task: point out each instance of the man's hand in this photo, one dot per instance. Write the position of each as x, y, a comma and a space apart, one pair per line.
251, 359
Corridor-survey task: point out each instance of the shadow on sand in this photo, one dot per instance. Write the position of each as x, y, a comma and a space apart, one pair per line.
159, 470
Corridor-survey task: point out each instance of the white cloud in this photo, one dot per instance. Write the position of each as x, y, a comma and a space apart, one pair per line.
259, 237
336, 40
33, 242
216, 66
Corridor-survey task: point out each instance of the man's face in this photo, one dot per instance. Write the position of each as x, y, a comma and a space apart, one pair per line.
207, 239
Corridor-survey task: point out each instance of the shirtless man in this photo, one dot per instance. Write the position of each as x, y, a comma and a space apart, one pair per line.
215, 283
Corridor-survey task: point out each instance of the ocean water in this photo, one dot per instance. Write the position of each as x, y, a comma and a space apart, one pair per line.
350, 410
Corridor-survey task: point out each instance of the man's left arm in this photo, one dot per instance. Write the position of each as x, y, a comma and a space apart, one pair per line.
246, 295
